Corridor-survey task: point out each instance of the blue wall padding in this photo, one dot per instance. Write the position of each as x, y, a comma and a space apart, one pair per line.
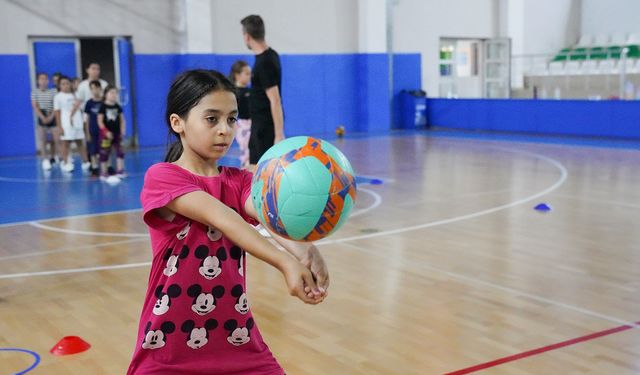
320, 92
18, 137
555, 117
53, 57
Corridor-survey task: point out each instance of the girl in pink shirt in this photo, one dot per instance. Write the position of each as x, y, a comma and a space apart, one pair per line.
196, 317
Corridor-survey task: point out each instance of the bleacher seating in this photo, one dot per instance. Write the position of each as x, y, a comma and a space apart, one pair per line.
590, 68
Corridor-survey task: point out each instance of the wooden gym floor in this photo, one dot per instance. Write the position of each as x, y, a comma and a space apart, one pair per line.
445, 267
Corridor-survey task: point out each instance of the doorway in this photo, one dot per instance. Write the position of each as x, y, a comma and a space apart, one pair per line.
71, 55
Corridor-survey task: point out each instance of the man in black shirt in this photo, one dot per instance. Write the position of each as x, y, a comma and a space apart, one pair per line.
267, 119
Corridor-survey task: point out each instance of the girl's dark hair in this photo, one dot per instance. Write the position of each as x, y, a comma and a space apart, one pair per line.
106, 90
185, 93
236, 68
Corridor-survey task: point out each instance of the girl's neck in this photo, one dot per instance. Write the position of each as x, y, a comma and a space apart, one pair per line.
241, 85
109, 102
197, 165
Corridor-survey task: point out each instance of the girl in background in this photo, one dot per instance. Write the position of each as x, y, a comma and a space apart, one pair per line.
241, 77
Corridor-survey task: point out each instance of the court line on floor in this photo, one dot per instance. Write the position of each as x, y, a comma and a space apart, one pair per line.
87, 233
36, 358
558, 183
540, 350
75, 270
421, 266
80, 216
68, 179
377, 201
66, 249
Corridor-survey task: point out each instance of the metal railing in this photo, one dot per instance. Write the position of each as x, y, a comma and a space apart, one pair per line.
580, 75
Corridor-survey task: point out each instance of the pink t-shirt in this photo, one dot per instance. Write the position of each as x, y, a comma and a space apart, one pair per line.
196, 317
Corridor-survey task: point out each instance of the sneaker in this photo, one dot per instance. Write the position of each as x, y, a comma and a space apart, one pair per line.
111, 171
46, 165
111, 180
86, 166
121, 174
66, 166
95, 172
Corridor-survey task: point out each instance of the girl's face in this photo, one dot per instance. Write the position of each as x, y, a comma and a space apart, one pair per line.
112, 96
210, 126
244, 77
65, 85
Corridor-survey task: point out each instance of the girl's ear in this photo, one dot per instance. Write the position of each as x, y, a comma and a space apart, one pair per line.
177, 123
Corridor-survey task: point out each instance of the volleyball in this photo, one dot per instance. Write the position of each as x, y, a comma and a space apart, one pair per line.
303, 189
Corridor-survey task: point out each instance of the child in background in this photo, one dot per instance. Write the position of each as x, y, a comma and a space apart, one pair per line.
241, 77
74, 85
112, 131
56, 80
196, 317
70, 124
42, 103
91, 109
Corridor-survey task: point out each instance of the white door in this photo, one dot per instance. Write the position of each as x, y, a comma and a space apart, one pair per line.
497, 68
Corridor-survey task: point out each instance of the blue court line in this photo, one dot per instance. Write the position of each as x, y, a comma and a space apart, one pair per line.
35, 355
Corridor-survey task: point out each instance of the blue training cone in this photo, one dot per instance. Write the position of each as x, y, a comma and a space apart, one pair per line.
542, 207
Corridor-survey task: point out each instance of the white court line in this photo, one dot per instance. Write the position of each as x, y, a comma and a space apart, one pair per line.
560, 181
474, 281
65, 249
376, 203
71, 217
75, 270
68, 179
87, 233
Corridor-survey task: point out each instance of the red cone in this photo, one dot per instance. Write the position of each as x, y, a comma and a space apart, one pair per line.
70, 345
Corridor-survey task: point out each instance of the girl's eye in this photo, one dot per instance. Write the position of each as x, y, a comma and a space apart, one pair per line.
212, 119
232, 120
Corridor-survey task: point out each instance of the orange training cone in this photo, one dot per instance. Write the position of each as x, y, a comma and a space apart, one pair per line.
70, 345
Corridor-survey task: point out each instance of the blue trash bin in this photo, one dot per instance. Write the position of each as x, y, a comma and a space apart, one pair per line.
413, 109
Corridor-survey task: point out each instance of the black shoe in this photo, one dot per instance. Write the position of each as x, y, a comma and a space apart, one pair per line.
111, 171
95, 172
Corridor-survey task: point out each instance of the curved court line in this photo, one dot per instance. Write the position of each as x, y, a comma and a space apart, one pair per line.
65, 249
377, 201
558, 183
87, 233
71, 217
36, 358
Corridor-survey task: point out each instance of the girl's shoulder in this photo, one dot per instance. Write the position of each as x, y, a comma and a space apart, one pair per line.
234, 173
163, 168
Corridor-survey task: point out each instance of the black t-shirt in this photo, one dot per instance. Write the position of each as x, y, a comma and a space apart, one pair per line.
266, 73
243, 94
111, 117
